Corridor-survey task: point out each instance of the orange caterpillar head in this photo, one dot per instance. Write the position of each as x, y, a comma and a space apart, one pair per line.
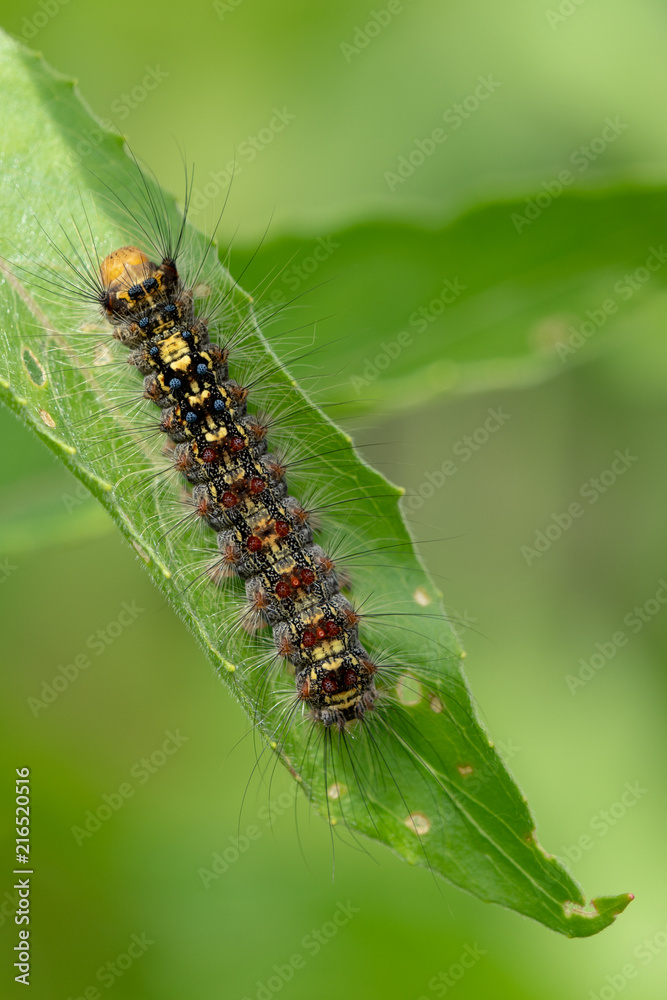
132, 283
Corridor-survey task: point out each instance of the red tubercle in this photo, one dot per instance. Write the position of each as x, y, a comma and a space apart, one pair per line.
283, 589
236, 444
254, 543
299, 577
351, 678
229, 499
282, 529
324, 630
329, 685
209, 455
256, 485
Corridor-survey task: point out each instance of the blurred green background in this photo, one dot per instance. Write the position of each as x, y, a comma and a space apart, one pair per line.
209, 78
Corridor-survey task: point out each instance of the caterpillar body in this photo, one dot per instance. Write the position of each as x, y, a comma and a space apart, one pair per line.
264, 535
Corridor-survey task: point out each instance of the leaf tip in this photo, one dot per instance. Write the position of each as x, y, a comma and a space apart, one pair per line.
603, 910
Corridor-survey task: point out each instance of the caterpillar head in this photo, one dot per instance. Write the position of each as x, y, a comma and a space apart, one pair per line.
133, 284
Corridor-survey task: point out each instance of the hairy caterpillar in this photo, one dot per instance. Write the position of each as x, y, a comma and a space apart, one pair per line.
264, 535
294, 612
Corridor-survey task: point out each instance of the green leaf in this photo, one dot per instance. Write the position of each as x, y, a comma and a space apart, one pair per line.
424, 778
473, 304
